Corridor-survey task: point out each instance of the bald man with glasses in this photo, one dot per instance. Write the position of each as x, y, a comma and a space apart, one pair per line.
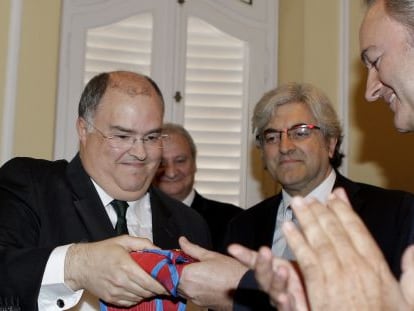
67, 228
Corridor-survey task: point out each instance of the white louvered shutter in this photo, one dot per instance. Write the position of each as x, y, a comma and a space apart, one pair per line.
213, 113
124, 45
219, 55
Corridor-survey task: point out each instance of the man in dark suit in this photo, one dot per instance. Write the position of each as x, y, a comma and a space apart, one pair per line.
389, 226
59, 223
299, 136
175, 177
305, 163
387, 51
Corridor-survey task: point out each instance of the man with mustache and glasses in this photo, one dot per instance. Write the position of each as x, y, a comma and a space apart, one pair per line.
60, 220
299, 136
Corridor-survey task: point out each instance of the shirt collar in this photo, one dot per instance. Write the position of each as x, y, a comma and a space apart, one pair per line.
107, 199
320, 193
190, 198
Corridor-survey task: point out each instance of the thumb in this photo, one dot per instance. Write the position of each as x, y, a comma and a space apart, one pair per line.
193, 250
407, 261
131, 243
341, 194
243, 254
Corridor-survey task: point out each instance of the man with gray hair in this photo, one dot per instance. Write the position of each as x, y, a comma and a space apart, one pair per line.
354, 269
299, 136
175, 177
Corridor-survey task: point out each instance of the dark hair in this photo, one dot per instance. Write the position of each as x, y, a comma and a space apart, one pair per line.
96, 88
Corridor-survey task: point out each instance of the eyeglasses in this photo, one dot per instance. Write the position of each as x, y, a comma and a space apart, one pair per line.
150, 141
296, 133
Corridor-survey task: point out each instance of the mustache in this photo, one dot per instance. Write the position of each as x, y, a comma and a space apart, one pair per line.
289, 158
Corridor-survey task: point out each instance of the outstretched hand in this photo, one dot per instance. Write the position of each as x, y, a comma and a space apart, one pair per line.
276, 276
342, 266
210, 282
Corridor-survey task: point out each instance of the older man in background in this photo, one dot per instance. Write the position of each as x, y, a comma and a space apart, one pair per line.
175, 177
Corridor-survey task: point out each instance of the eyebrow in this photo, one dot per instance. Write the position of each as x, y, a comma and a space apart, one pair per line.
272, 130
364, 56
129, 131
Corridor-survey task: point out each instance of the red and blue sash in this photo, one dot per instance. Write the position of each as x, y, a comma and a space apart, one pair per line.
166, 267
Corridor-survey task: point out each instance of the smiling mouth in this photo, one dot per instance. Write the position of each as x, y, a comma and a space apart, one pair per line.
390, 99
288, 161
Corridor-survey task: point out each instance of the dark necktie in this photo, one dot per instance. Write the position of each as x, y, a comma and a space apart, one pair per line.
120, 208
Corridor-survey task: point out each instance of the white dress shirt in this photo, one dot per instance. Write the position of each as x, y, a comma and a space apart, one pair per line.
284, 213
190, 198
54, 292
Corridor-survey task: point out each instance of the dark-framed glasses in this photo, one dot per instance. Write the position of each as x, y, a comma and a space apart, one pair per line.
297, 132
123, 141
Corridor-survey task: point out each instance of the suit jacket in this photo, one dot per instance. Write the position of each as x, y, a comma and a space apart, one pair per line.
217, 215
388, 214
45, 204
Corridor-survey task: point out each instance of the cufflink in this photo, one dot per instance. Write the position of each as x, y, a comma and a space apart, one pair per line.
60, 303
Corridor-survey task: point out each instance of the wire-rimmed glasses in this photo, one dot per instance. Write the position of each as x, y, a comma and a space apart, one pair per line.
150, 141
295, 133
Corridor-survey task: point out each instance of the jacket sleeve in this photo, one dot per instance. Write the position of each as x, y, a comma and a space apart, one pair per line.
248, 296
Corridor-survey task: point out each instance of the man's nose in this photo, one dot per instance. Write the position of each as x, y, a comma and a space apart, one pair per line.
170, 170
373, 86
138, 150
286, 144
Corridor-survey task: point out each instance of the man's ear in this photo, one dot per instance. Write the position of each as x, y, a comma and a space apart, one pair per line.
82, 129
331, 146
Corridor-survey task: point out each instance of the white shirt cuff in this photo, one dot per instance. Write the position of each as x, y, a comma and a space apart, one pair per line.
54, 294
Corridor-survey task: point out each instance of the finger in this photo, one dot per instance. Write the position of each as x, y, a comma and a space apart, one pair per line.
264, 269
341, 194
355, 229
407, 261
142, 283
332, 239
297, 242
131, 243
308, 260
282, 302
314, 219
125, 290
287, 291
407, 276
146, 286
243, 254
125, 303
193, 250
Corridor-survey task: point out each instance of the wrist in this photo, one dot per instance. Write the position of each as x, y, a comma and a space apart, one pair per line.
73, 266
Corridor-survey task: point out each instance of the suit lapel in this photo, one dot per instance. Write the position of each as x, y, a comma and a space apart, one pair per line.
164, 229
87, 202
351, 188
268, 223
